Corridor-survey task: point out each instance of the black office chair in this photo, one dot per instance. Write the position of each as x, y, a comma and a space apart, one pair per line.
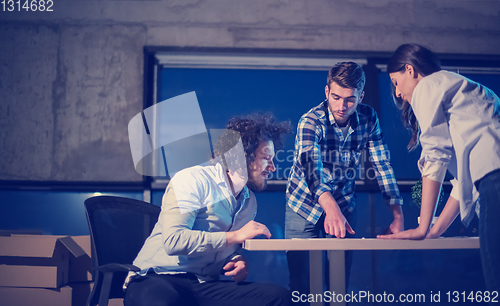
118, 228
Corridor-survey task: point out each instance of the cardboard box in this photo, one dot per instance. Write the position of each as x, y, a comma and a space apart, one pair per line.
80, 268
11, 296
72, 295
28, 276
41, 261
75, 294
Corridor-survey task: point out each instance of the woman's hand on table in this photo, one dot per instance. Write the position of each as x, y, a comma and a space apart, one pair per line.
412, 234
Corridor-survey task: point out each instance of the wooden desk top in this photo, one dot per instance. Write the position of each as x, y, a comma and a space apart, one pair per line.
360, 244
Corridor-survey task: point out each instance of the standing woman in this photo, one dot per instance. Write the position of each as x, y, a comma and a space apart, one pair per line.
457, 122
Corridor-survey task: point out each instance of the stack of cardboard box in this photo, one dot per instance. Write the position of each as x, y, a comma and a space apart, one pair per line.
44, 270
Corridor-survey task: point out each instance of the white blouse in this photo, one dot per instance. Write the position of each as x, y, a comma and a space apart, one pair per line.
460, 132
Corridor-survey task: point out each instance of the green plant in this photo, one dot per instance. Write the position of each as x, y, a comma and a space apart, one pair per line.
416, 194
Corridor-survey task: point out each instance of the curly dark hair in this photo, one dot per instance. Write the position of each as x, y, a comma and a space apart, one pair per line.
251, 130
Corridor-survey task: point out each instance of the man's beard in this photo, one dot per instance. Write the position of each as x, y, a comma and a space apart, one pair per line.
254, 186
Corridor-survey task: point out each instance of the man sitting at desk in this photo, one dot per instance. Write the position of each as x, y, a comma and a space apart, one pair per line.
331, 138
207, 212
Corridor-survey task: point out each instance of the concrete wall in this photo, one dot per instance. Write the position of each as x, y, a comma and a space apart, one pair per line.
71, 79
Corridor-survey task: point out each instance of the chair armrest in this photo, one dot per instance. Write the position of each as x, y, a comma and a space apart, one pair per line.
108, 270
115, 267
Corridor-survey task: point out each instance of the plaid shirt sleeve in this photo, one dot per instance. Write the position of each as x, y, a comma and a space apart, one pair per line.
380, 158
309, 135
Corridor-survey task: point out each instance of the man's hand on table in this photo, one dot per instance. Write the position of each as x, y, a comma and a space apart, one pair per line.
398, 224
249, 231
336, 224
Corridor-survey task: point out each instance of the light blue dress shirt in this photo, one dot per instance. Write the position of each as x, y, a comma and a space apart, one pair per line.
197, 210
460, 132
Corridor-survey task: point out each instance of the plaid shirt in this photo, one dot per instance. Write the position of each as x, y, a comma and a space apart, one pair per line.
325, 161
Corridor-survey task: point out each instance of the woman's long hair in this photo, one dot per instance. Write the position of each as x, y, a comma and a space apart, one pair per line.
424, 62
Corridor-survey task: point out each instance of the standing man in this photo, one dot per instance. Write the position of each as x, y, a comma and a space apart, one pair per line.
321, 192
207, 212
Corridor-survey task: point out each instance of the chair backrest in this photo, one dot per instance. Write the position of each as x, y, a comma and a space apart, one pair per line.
118, 228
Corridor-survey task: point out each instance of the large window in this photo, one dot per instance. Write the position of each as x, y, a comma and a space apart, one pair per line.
289, 84
228, 86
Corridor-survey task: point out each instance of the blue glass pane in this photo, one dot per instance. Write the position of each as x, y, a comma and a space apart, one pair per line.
156, 197
492, 81
225, 93
395, 134
49, 212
